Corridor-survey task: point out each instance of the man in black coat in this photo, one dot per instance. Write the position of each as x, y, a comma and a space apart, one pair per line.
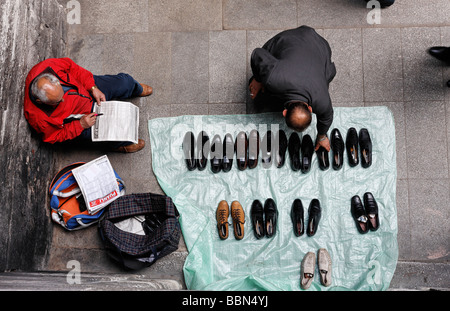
291, 73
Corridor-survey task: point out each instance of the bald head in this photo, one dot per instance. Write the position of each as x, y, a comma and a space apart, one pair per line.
47, 90
298, 116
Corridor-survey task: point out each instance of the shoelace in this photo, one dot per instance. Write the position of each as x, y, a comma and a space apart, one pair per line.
222, 217
236, 215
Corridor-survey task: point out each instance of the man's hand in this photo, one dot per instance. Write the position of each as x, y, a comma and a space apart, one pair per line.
98, 96
254, 88
323, 141
88, 120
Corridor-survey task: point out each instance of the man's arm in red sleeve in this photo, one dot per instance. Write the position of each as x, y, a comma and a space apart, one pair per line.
57, 135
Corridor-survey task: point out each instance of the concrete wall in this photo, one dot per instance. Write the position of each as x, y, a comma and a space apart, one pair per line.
30, 31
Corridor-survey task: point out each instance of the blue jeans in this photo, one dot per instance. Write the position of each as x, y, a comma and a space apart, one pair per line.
115, 87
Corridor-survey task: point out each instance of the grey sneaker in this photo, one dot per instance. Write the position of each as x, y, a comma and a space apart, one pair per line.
324, 261
307, 270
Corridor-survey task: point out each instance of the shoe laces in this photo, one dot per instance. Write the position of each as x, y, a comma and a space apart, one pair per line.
237, 216
222, 217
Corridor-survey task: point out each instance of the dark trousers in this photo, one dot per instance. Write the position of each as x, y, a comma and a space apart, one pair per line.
115, 87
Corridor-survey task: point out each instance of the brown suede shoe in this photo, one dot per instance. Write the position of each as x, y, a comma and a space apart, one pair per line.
131, 148
148, 90
238, 215
222, 214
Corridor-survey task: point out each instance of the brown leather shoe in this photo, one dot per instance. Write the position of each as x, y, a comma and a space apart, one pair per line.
132, 148
222, 214
238, 215
148, 90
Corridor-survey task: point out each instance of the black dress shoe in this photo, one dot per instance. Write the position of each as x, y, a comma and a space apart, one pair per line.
351, 144
440, 52
189, 151
267, 149
216, 155
280, 148
228, 153
203, 148
322, 156
294, 151
337, 145
297, 216
307, 153
365, 145
371, 208
241, 146
314, 215
253, 149
359, 215
257, 216
271, 216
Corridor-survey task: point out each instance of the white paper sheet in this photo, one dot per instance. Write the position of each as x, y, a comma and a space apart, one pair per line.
98, 184
119, 122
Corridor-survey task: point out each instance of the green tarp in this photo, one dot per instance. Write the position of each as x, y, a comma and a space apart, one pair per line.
360, 262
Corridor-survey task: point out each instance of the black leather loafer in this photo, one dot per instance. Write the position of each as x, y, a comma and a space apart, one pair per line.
307, 153
216, 155
271, 216
371, 208
253, 149
203, 148
294, 151
257, 216
267, 149
359, 215
314, 215
440, 52
351, 145
323, 158
280, 149
365, 145
297, 216
241, 146
228, 153
337, 145
189, 151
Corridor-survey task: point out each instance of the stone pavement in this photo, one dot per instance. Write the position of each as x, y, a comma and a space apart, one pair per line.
196, 54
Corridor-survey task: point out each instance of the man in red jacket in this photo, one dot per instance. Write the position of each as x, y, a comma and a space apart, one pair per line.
59, 100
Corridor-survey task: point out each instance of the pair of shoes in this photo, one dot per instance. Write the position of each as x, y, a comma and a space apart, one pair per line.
441, 53
351, 144
222, 153
297, 217
264, 220
366, 218
238, 216
308, 268
196, 157
273, 148
147, 90
131, 148
246, 148
306, 148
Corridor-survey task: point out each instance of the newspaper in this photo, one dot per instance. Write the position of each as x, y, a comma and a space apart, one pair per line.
119, 122
98, 184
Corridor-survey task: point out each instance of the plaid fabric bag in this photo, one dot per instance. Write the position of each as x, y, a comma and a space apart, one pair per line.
139, 229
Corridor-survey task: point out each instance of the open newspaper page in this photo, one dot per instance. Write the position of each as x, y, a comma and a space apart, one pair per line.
119, 122
98, 184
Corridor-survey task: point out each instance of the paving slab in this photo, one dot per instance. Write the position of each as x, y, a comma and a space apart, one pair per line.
426, 145
259, 14
383, 68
